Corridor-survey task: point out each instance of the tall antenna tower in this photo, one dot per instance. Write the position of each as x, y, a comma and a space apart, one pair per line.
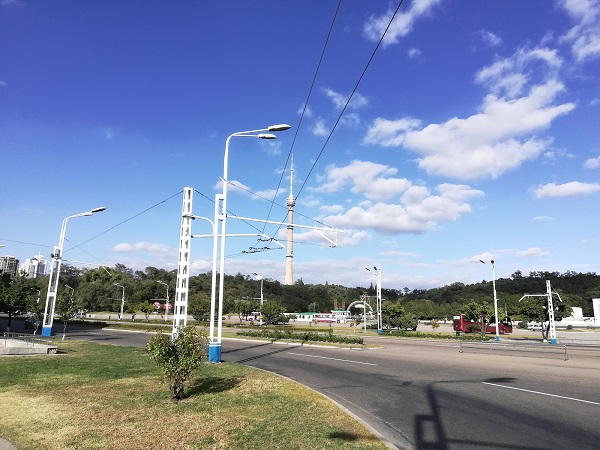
289, 257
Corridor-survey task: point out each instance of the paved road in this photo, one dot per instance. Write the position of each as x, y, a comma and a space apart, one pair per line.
427, 395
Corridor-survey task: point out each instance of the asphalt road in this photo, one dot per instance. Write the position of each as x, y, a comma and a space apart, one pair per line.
428, 395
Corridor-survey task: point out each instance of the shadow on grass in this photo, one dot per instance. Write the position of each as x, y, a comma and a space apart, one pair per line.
212, 385
343, 436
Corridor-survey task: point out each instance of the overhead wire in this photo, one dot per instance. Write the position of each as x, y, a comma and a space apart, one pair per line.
341, 114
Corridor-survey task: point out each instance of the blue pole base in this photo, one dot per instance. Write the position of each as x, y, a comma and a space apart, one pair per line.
46, 331
379, 331
498, 338
553, 341
214, 353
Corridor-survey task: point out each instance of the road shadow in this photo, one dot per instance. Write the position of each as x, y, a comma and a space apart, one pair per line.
431, 434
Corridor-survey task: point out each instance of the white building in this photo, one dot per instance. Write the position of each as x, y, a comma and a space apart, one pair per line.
34, 267
9, 264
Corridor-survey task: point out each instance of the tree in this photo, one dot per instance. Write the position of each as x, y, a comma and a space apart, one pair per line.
146, 308
65, 309
179, 357
394, 315
14, 293
272, 312
535, 309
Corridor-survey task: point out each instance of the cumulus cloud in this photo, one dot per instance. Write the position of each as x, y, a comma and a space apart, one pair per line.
510, 76
374, 181
417, 211
572, 189
532, 252
403, 23
126, 247
592, 163
484, 145
584, 37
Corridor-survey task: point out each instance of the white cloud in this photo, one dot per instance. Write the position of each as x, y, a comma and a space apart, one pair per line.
592, 163
372, 180
350, 120
572, 189
483, 145
319, 129
510, 76
402, 25
141, 246
414, 53
417, 211
532, 252
3, 83
542, 218
595, 101
340, 100
109, 134
307, 111
346, 238
584, 37
331, 209
493, 40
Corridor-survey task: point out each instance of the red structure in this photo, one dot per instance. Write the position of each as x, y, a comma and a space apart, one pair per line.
460, 324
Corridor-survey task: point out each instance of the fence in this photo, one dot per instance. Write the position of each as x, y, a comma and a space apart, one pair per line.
27, 341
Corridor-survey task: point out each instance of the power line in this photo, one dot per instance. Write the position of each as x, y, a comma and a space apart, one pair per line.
351, 95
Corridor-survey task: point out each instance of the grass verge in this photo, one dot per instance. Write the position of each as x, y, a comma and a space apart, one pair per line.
108, 397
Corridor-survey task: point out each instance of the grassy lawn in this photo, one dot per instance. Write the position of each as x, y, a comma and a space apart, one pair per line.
108, 397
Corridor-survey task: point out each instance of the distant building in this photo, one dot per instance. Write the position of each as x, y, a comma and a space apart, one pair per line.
34, 267
9, 264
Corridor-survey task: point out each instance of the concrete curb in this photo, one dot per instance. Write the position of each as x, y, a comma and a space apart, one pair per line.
5, 445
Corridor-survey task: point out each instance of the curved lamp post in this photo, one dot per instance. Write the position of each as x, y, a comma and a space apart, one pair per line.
258, 277
167, 302
495, 298
122, 300
55, 273
214, 346
379, 319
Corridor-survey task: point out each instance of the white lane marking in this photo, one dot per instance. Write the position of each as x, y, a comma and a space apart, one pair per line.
542, 393
334, 359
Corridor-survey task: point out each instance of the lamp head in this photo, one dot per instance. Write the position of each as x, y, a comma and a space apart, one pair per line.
280, 127
95, 210
267, 136
482, 261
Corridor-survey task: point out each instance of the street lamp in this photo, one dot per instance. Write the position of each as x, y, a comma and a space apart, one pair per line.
258, 277
122, 300
379, 318
72, 292
495, 298
214, 347
55, 273
167, 302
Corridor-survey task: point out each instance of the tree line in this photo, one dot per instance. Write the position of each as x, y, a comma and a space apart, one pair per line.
95, 290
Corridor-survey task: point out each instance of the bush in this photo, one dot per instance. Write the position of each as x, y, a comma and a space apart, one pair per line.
303, 336
178, 357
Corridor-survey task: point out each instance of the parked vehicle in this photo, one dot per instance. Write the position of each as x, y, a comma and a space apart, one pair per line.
460, 324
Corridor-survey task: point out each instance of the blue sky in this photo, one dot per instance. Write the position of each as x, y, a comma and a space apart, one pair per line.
472, 133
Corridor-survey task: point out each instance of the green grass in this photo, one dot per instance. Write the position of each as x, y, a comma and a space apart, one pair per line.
96, 396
